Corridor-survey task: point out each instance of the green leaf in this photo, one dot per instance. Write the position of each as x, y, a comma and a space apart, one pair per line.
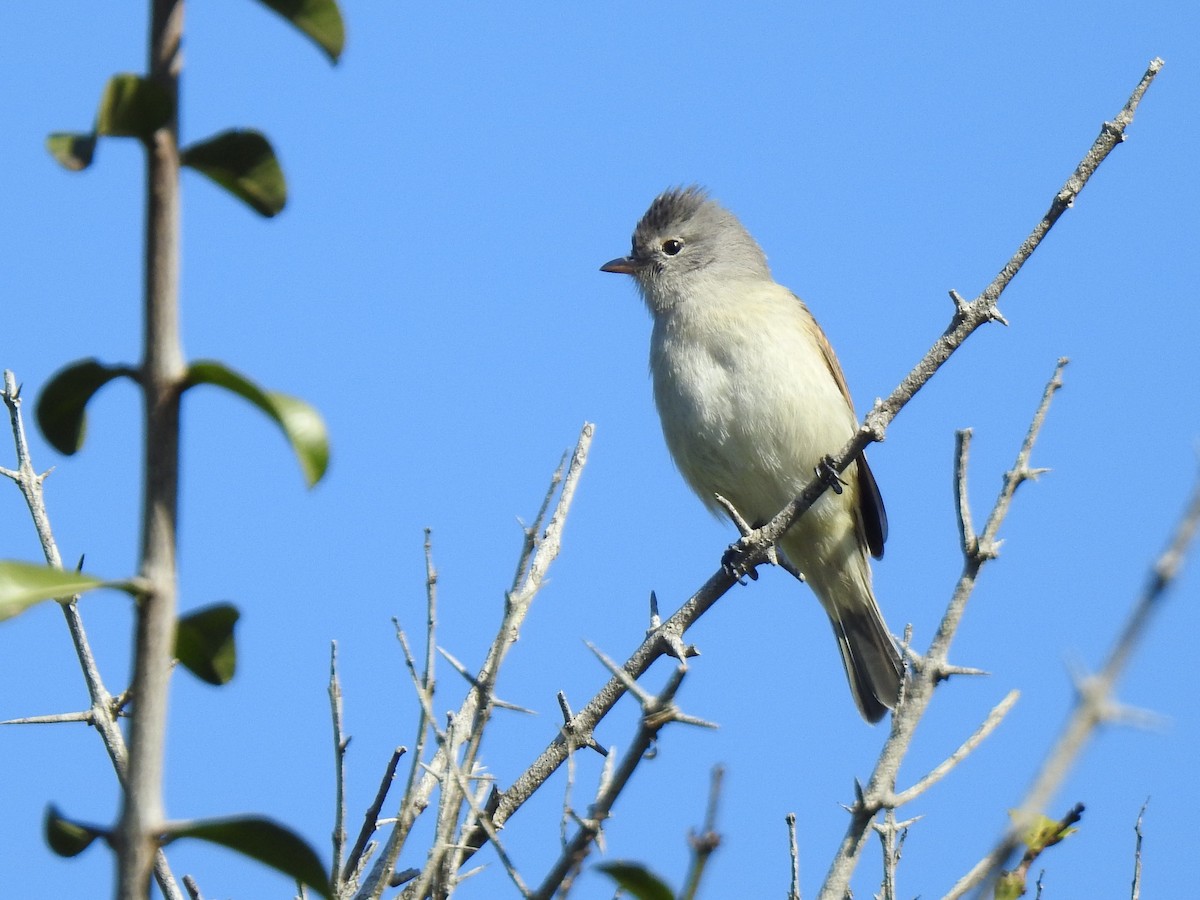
320, 20
204, 643
263, 840
637, 880
73, 151
61, 407
1009, 886
23, 585
302, 425
132, 106
243, 163
67, 838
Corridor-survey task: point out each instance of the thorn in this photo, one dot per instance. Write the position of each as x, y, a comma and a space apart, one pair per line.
620, 674
743, 526
947, 670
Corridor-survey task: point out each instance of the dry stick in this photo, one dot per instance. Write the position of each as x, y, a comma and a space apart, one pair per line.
480, 815
103, 712
371, 818
892, 846
193, 889
437, 874
967, 318
423, 685
1094, 703
162, 375
706, 842
937, 773
410, 805
929, 670
1135, 892
340, 742
794, 853
657, 711
476, 707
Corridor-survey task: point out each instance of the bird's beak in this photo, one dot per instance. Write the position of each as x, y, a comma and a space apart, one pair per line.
622, 265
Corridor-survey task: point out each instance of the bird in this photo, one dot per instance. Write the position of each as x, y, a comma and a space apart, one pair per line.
752, 399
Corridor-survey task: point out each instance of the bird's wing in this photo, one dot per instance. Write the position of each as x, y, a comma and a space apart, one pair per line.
870, 501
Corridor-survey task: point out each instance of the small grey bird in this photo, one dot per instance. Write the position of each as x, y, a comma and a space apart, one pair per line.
752, 399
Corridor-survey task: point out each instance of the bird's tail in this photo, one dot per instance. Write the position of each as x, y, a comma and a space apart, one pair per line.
873, 665
842, 582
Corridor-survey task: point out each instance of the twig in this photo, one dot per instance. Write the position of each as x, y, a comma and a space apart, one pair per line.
371, 817
476, 708
706, 842
891, 838
1136, 889
340, 742
481, 816
993, 720
657, 711
410, 804
105, 708
966, 529
1093, 703
794, 853
928, 671
530, 532
1044, 836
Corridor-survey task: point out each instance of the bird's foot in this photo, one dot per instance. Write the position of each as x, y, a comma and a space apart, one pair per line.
736, 563
827, 473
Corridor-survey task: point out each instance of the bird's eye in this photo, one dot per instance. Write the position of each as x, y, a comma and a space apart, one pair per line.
672, 246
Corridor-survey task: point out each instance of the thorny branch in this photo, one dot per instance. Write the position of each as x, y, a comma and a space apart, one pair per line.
476, 709
1094, 702
930, 669
105, 708
754, 548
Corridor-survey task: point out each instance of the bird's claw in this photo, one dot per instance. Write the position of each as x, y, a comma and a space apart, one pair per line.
734, 562
827, 473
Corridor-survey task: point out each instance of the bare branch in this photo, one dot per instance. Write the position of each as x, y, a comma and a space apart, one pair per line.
371, 818
105, 708
966, 529
657, 711
340, 742
794, 853
706, 842
193, 888
928, 671
476, 708
1135, 892
1093, 703
993, 720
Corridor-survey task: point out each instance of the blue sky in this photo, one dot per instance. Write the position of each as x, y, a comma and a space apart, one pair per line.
432, 288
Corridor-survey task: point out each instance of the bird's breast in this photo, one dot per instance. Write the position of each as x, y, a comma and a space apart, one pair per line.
747, 403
